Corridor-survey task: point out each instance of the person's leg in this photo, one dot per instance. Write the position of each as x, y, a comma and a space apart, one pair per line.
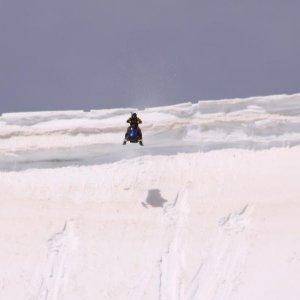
140, 133
140, 136
127, 133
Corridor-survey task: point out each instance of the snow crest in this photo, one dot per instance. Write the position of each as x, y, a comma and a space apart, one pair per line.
60, 247
50, 139
198, 213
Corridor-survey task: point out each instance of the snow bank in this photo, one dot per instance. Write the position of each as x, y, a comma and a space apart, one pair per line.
85, 138
101, 221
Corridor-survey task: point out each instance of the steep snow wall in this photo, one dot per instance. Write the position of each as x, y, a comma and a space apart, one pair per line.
173, 220
49, 139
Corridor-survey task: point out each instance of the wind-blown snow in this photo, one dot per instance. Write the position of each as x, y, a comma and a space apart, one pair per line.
208, 209
50, 139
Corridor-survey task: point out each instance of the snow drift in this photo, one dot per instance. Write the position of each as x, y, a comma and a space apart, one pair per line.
208, 209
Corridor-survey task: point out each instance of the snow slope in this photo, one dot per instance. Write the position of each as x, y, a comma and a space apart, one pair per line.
75, 138
208, 209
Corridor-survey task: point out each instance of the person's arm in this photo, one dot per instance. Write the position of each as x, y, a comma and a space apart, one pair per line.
129, 120
140, 121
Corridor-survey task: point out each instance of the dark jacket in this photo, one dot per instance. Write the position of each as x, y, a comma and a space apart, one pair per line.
134, 121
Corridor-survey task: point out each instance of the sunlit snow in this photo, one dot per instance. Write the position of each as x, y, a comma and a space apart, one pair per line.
208, 209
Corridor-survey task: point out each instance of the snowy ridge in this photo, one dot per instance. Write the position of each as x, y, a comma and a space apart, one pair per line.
85, 138
172, 262
219, 277
60, 247
83, 217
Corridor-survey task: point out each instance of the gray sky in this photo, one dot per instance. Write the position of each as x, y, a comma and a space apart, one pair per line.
71, 54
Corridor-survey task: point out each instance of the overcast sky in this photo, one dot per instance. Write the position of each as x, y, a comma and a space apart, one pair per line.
82, 54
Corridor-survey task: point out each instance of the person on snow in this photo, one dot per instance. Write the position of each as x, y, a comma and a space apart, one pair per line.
134, 121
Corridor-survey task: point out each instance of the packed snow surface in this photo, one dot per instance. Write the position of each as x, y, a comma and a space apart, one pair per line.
208, 209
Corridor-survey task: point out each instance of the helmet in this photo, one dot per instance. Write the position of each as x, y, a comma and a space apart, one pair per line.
134, 115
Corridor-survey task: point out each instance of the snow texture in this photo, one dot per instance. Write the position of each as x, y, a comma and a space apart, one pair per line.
208, 209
